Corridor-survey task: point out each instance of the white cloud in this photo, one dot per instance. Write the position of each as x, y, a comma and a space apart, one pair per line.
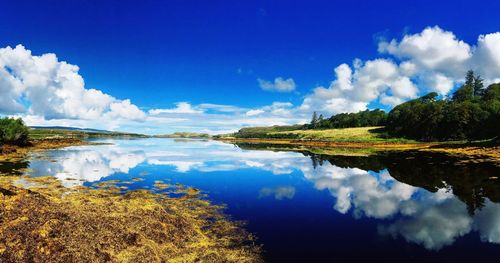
46, 91
433, 49
279, 84
254, 112
432, 60
487, 56
181, 108
44, 86
125, 108
352, 91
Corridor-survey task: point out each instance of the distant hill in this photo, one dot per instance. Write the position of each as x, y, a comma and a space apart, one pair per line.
67, 128
45, 132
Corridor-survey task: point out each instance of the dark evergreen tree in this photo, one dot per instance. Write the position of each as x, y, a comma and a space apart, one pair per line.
314, 120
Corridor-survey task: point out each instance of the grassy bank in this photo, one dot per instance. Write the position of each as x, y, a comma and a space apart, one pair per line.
45, 222
351, 141
361, 134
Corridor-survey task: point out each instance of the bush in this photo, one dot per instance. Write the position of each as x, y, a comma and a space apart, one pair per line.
13, 131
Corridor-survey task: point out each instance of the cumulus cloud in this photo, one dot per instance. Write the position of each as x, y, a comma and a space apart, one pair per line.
487, 56
352, 91
433, 49
44, 86
46, 91
279, 84
432, 60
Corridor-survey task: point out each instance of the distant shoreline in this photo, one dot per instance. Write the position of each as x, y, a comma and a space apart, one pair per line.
14, 153
468, 150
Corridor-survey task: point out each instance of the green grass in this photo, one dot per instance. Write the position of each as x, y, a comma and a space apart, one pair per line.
362, 134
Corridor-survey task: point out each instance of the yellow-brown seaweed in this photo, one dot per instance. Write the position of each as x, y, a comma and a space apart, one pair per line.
42, 221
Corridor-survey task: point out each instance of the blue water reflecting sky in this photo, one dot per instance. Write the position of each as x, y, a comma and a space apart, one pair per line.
298, 210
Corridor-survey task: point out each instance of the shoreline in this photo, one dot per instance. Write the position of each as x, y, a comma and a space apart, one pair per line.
467, 150
10, 153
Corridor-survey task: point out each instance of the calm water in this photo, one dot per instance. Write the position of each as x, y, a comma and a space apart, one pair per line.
313, 208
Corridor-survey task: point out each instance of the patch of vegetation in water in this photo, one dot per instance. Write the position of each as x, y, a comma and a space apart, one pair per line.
42, 221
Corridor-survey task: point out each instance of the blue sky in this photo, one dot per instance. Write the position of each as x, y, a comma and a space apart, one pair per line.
159, 53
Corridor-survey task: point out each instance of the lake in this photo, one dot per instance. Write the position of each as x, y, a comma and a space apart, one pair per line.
307, 207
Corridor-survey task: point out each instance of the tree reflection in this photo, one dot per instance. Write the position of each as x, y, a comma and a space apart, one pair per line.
470, 182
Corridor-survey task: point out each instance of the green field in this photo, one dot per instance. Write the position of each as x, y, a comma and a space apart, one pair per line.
363, 134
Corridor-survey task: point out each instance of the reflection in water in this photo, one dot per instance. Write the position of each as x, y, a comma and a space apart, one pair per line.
78, 165
13, 168
425, 200
279, 193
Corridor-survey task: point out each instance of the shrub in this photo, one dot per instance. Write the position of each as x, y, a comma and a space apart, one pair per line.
13, 131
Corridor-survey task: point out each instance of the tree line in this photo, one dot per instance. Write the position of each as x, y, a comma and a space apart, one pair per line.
472, 113
365, 118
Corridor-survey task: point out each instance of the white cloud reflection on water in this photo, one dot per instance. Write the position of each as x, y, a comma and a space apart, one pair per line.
279, 193
433, 220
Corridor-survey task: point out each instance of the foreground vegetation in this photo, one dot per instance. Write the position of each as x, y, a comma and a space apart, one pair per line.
44, 222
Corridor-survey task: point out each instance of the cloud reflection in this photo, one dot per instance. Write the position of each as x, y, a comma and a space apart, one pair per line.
279, 193
433, 220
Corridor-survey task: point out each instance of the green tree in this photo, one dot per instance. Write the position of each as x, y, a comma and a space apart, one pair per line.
478, 86
492, 93
314, 120
473, 113
13, 131
466, 91
469, 78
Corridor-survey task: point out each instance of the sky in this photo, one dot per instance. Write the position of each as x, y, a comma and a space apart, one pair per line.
215, 66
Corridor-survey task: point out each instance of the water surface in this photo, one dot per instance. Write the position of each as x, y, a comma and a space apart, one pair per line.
306, 207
